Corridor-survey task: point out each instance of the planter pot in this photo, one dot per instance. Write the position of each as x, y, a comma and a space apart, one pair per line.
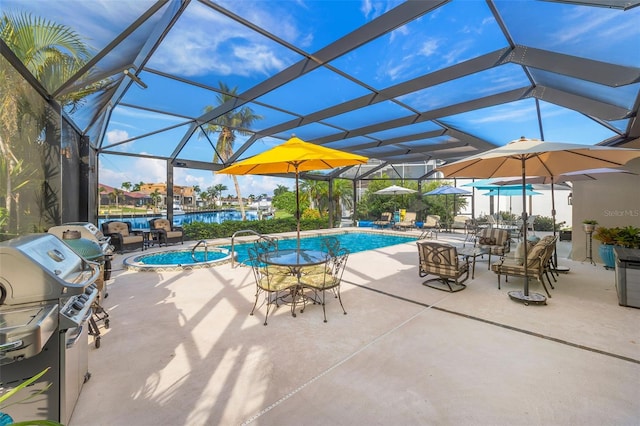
607, 256
588, 227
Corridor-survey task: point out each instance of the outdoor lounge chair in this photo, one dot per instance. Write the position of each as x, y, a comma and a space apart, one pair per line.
495, 241
431, 226
165, 232
442, 260
409, 221
122, 237
538, 263
384, 221
459, 222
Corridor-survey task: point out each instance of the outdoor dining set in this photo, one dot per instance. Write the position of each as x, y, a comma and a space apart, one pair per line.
296, 276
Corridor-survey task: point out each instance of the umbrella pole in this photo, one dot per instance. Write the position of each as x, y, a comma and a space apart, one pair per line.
524, 296
297, 212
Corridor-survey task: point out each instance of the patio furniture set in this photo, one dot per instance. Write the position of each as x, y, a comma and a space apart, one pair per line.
297, 276
450, 265
124, 238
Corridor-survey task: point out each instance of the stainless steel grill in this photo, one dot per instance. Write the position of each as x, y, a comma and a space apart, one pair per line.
90, 232
46, 293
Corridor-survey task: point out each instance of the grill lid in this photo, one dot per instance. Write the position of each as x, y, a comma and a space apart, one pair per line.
88, 249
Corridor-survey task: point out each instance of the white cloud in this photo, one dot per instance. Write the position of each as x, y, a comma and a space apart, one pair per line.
206, 42
510, 113
583, 23
429, 47
114, 136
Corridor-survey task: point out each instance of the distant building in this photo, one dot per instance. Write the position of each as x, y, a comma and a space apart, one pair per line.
135, 198
184, 195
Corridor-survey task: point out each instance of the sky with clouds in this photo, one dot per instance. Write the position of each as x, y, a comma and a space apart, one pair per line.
206, 47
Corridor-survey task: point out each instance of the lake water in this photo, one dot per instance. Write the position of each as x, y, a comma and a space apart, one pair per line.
206, 217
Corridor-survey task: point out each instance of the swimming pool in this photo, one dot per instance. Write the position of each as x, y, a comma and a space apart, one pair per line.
178, 260
353, 241
181, 259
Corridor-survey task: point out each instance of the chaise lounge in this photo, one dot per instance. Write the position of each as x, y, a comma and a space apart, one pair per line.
384, 221
409, 221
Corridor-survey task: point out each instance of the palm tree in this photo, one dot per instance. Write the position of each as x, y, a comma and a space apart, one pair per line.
197, 191
226, 125
219, 188
342, 196
115, 195
155, 197
279, 190
318, 193
52, 53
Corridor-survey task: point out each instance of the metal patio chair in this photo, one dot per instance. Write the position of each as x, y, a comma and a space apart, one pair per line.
442, 260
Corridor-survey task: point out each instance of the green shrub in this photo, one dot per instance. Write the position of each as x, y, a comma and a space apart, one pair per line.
207, 231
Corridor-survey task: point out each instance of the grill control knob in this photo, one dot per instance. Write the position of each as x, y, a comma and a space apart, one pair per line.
77, 305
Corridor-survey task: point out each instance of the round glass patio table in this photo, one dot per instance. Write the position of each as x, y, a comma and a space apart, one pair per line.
295, 259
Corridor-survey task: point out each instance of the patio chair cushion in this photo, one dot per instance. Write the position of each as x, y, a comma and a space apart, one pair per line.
118, 228
174, 234
164, 224
487, 241
132, 239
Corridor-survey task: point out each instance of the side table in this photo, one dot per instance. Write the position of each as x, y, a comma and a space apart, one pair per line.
473, 252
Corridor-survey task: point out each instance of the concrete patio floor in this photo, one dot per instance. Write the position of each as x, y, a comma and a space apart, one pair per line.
183, 350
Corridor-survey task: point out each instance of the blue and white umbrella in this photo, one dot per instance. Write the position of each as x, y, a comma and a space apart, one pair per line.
447, 190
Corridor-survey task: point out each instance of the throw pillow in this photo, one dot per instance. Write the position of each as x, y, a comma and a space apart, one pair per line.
487, 241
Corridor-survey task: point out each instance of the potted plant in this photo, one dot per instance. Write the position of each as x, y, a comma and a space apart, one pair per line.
608, 237
589, 225
628, 237
6, 419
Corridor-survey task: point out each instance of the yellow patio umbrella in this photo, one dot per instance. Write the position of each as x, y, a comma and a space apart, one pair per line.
294, 156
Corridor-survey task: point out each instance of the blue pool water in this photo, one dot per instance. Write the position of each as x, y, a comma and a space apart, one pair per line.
206, 217
180, 257
352, 241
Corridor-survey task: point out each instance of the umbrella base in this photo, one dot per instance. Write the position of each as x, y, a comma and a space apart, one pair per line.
531, 299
